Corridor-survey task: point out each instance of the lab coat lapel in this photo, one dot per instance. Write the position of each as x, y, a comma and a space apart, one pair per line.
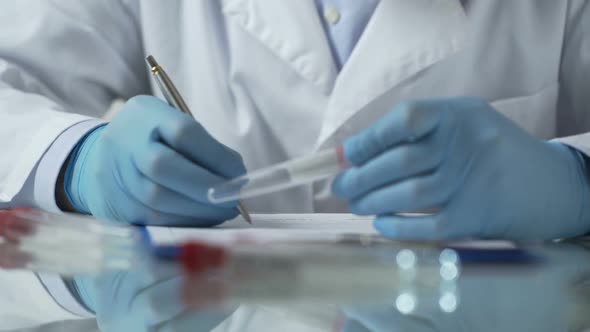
292, 31
402, 38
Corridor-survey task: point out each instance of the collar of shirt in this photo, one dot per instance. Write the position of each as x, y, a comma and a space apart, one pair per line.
344, 22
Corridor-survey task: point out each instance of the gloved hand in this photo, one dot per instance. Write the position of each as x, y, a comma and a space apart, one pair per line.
482, 175
149, 299
152, 165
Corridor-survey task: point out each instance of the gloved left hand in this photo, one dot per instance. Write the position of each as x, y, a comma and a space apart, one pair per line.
483, 175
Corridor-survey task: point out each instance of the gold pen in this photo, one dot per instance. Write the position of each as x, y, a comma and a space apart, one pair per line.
174, 98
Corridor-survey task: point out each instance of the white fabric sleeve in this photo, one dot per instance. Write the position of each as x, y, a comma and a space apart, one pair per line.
61, 62
45, 178
50, 165
48, 291
39, 188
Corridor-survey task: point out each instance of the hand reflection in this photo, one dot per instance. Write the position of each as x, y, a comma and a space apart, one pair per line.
491, 299
149, 299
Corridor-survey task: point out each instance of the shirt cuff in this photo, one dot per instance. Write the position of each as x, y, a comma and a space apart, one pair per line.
49, 167
579, 143
45, 179
56, 287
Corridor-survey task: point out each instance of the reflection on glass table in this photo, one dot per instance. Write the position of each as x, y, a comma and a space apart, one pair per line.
319, 282
550, 296
360, 284
320, 274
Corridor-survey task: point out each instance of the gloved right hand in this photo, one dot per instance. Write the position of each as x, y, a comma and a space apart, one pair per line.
151, 165
148, 299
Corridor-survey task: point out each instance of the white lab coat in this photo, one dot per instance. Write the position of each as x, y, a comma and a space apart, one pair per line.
260, 76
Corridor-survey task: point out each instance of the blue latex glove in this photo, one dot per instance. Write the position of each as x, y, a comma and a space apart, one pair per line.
481, 174
152, 164
145, 300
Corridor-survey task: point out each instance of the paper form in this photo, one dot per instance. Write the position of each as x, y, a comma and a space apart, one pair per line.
271, 227
291, 227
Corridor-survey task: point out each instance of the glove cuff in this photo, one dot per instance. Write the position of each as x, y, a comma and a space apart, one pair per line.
82, 289
580, 175
75, 170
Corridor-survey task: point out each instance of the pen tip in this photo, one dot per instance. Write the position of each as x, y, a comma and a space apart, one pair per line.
245, 215
151, 61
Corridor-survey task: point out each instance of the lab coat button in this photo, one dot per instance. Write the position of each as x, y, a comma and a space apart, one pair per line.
332, 15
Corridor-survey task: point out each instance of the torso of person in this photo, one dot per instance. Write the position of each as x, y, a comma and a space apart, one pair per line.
260, 76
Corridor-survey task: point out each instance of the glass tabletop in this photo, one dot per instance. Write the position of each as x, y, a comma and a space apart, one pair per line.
368, 285
548, 293
401, 287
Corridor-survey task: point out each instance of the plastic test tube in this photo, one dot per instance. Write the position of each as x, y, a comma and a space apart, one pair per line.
281, 176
